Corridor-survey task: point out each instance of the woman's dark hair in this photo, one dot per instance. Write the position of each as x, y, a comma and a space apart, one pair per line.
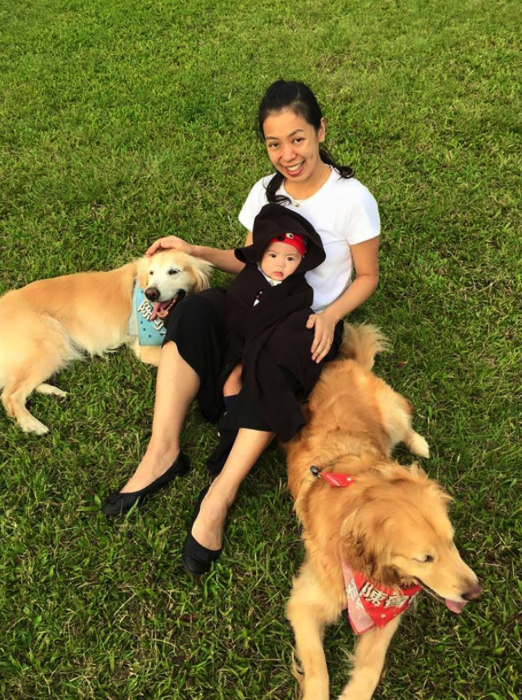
299, 99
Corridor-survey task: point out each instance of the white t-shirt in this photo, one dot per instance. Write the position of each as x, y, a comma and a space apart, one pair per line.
343, 212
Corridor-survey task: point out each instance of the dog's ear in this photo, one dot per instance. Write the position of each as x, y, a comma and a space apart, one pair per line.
202, 271
142, 271
356, 547
364, 545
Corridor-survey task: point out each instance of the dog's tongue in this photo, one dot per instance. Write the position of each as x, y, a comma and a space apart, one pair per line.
455, 607
159, 309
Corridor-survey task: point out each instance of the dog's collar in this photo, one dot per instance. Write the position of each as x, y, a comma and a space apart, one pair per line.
371, 604
333, 478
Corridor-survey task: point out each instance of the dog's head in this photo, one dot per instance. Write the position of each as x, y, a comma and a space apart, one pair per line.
399, 533
169, 275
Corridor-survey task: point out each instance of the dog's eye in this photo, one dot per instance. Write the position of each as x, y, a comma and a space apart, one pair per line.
428, 559
173, 272
151, 272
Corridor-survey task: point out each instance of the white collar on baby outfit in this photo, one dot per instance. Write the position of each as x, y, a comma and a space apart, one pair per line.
271, 282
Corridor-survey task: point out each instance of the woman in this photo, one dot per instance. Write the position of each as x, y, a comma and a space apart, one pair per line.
345, 215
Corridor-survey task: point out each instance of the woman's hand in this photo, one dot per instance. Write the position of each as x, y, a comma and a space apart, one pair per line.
366, 263
170, 242
324, 325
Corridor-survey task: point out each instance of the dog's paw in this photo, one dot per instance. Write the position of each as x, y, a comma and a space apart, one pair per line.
352, 693
52, 390
32, 425
417, 445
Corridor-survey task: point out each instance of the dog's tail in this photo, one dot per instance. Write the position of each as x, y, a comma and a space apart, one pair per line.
362, 343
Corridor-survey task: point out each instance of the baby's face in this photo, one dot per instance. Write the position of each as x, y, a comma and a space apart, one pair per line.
280, 260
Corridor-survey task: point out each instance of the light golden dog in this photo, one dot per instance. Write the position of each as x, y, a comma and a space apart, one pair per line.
48, 324
390, 524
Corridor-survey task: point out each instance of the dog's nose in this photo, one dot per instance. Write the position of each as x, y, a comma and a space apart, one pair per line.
473, 593
152, 293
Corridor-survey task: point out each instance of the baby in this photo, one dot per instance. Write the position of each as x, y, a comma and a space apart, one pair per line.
266, 357
281, 257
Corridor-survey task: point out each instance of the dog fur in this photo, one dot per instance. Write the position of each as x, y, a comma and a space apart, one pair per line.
48, 324
391, 524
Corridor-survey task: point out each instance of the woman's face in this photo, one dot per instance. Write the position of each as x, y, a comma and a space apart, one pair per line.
293, 145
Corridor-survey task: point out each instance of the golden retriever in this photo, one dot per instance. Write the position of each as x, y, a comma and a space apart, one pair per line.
49, 323
390, 525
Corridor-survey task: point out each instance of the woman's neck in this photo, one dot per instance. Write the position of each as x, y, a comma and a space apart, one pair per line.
304, 190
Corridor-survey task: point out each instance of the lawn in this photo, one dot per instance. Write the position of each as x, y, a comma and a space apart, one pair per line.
125, 120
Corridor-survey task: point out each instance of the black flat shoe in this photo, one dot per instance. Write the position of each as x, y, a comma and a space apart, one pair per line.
117, 503
198, 560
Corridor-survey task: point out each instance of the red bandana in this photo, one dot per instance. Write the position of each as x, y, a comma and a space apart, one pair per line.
369, 604
372, 605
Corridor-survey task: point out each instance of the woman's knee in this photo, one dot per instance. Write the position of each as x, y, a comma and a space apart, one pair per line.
170, 347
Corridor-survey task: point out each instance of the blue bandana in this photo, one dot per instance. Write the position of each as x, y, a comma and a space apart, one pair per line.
149, 332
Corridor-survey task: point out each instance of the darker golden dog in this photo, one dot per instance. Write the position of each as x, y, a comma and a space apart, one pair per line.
371, 543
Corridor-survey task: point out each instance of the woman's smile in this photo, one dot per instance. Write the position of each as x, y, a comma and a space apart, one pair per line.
295, 170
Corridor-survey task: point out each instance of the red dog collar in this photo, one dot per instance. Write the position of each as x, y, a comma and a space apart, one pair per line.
369, 604
334, 478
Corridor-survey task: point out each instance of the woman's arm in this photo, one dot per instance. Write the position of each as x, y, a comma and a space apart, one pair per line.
366, 264
224, 260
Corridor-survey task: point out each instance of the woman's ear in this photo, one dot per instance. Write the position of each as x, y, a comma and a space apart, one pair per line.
321, 134
202, 272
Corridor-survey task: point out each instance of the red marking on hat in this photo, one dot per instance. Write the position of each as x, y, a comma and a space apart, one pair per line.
293, 239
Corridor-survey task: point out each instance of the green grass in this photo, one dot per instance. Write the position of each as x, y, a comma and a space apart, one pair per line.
125, 120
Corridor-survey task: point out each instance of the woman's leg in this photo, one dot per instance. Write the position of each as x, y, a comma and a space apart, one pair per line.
176, 386
208, 527
233, 384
